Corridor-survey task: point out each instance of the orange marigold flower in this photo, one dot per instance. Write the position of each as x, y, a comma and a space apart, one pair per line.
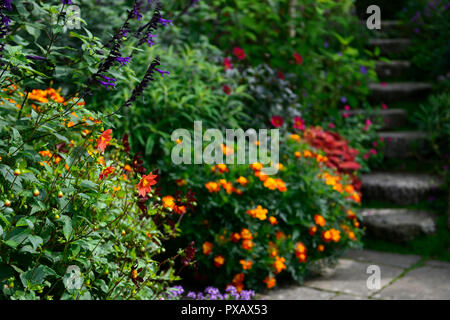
300, 248
259, 213
351, 235
247, 244
335, 235
106, 172
270, 184
104, 140
212, 186
242, 181
301, 257
320, 248
146, 183
256, 166
280, 235
273, 221
227, 150
228, 187
319, 220
279, 265
270, 282
246, 234
207, 248
356, 223
235, 237
168, 202
295, 137
307, 153
349, 189
237, 191
356, 197
351, 214
179, 209
312, 230
281, 186
246, 265
219, 261
238, 278
297, 154
222, 168
127, 168
261, 175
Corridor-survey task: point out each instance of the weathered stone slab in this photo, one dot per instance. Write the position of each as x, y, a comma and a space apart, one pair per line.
390, 46
394, 68
398, 224
398, 91
420, 284
384, 258
297, 293
351, 278
399, 188
438, 264
402, 144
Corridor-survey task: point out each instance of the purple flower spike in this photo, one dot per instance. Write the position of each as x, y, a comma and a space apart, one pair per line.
109, 82
162, 72
123, 61
363, 69
66, 1
164, 22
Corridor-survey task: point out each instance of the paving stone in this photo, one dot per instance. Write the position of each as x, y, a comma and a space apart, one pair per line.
398, 91
351, 278
399, 188
390, 46
394, 68
438, 264
297, 293
423, 283
402, 144
385, 258
398, 224
388, 118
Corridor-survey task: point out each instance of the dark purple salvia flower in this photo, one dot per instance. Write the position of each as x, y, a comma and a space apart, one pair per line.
162, 72
123, 61
108, 82
66, 1
145, 32
164, 22
7, 4
363, 69
150, 39
136, 8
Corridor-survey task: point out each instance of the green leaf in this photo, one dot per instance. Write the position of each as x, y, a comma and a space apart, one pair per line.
36, 275
67, 226
88, 184
35, 241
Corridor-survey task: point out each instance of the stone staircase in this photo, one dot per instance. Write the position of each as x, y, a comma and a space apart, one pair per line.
391, 187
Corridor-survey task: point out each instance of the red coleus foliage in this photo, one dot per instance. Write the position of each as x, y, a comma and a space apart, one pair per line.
340, 155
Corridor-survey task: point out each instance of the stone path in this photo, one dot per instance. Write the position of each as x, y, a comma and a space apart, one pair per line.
401, 277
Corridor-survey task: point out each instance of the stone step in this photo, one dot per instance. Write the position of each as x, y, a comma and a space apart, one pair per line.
388, 118
394, 68
399, 188
398, 91
398, 224
402, 144
390, 46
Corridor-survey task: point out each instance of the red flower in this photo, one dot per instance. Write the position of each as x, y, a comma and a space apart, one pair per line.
299, 123
104, 140
239, 53
146, 183
227, 64
280, 75
277, 121
226, 89
106, 172
298, 58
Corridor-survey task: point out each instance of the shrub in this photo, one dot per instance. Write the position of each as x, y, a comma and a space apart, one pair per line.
252, 227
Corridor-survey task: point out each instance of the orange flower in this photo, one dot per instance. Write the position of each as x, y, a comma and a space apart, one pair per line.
280, 235
301, 257
235, 237
222, 168
273, 221
219, 261
259, 213
227, 150
356, 223
207, 248
237, 191
246, 265
242, 181
319, 220
262, 176
295, 137
104, 140
326, 236
247, 244
179, 209
228, 187
300, 252
146, 183
351, 214
349, 189
320, 248
106, 172
270, 282
168, 202
335, 235
246, 234
281, 186
307, 153
312, 230
351, 235
297, 154
212, 187
256, 166
127, 168
270, 184
181, 182
238, 278
356, 197
279, 265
